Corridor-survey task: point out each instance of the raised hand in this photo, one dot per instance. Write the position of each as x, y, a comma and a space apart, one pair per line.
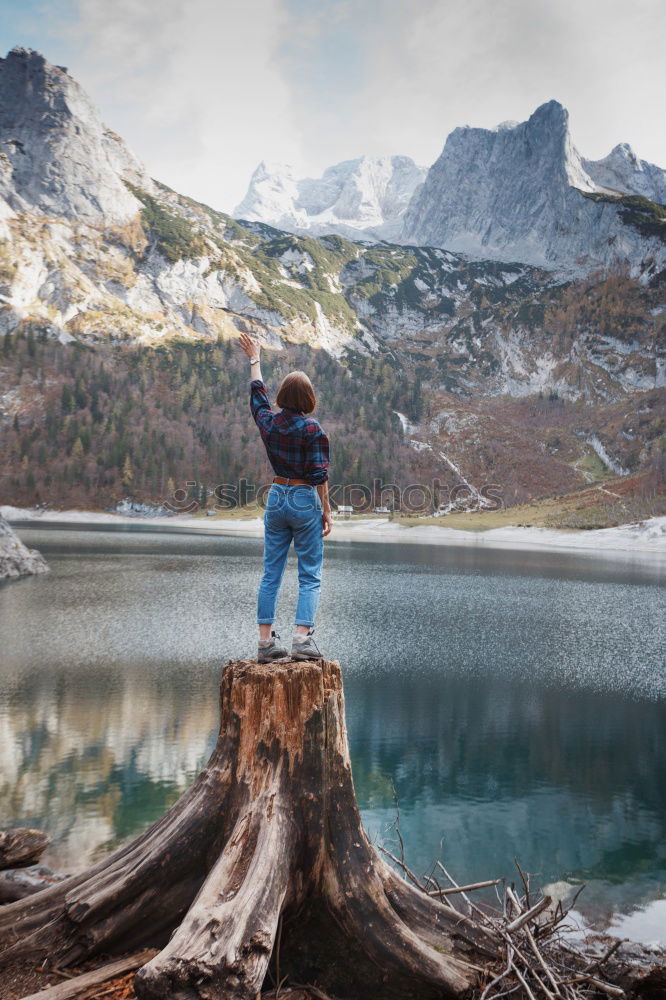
249, 346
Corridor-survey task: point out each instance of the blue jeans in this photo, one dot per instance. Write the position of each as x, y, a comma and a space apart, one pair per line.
292, 512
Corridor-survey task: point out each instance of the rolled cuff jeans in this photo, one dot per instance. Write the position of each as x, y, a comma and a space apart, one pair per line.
292, 512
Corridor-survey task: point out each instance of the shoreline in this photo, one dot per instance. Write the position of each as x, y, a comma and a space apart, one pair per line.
645, 538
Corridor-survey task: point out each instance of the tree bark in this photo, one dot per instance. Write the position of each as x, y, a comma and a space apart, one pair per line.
263, 858
21, 847
17, 883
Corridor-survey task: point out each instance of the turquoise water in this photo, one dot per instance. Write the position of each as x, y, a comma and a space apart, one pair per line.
516, 702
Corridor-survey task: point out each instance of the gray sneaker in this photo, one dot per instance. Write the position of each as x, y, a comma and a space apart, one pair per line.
273, 651
306, 650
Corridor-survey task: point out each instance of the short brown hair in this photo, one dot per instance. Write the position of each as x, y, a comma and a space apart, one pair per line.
296, 393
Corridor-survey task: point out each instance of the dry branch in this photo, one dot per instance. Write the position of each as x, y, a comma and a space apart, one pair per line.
542, 971
528, 915
464, 888
21, 847
81, 984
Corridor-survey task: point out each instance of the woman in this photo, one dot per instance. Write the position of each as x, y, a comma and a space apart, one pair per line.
298, 506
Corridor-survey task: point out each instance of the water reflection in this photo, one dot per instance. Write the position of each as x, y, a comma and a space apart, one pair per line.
94, 762
517, 704
573, 787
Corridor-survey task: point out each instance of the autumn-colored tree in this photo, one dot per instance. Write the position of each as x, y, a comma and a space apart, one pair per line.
128, 475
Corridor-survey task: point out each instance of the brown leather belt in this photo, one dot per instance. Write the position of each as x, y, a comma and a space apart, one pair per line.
281, 481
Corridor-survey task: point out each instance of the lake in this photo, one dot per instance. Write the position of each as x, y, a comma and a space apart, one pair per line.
513, 702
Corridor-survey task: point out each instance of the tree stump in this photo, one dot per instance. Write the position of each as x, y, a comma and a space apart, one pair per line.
263, 861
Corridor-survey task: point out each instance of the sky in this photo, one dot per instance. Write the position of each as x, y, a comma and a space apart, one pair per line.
203, 90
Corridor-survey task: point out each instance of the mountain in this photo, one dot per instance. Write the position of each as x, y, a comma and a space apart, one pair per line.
120, 300
366, 197
519, 192
56, 155
622, 172
522, 192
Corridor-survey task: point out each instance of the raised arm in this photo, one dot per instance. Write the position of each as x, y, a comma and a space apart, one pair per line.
259, 402
253, 351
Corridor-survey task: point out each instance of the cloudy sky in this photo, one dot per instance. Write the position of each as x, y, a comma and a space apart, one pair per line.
202, 90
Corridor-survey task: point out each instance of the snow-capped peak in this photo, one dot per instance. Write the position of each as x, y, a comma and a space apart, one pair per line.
271, 194
362, 197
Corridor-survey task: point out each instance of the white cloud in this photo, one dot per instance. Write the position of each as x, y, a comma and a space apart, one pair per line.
431, 65
194, 88
204, 90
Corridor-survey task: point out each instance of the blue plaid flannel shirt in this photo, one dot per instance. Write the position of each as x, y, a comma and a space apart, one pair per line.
296, 445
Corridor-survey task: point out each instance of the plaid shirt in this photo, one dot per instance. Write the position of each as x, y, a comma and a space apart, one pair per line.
296, 445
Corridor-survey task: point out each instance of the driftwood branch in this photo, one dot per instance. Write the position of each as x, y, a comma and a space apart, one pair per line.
525, 879
464, 888
87, 980
593, 966
528, 915
21, 847
17, 883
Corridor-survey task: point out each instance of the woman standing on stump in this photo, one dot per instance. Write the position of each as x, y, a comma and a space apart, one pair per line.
297, 507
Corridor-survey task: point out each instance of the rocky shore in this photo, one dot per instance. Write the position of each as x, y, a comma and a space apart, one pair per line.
15, 559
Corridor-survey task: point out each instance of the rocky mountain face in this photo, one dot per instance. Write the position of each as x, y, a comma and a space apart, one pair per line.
519, 192
522, 192
622, 172
366, 197
94, 252
56, 155
15, 558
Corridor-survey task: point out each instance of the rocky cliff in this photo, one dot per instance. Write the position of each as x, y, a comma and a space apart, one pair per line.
56, 155
623, 172
15, 559
522, 192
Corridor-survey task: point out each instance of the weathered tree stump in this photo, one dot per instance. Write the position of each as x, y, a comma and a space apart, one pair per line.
264, 856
